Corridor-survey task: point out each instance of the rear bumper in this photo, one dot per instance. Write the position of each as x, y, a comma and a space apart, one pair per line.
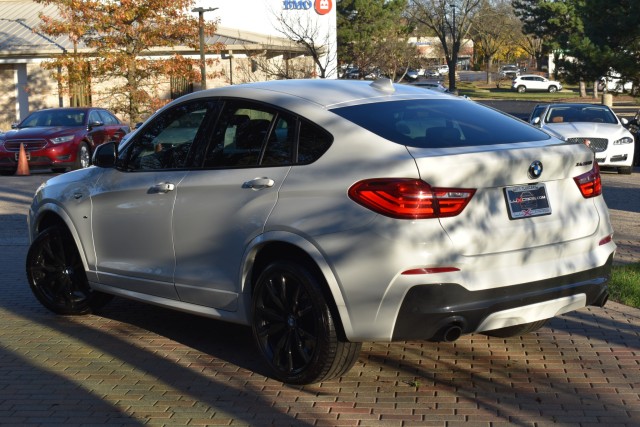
428, 311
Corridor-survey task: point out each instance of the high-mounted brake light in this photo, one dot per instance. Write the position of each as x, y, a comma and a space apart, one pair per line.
407, 198
589, 183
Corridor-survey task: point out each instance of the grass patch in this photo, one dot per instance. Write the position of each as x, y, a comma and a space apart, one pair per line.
625, 284
481, 90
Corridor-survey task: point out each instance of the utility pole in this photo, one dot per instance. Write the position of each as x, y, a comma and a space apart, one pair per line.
454, 56
203, 65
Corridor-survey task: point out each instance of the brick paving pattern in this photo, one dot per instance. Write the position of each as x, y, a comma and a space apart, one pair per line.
134, 364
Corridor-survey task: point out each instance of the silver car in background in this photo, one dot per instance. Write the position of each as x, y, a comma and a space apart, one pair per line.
325, 213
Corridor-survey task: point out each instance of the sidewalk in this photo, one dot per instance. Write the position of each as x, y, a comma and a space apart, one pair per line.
135, 364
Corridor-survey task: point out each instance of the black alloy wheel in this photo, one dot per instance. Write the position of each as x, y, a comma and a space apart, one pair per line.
56, 274
294, 328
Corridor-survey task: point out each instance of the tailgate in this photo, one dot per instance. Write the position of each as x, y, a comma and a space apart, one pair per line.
544, 211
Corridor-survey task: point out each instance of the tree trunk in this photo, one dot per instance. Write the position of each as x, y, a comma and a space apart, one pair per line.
489, 66
595, 89
583, 89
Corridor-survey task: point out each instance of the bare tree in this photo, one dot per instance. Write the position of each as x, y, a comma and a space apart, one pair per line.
270, 64
304, 31
494, 28
450, 21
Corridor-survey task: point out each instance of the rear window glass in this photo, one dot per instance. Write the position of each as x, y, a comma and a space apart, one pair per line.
440, 123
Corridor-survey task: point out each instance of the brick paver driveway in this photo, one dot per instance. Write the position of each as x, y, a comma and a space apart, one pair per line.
135, 364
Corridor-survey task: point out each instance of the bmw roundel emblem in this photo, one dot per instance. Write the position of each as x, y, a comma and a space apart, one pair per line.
535, 169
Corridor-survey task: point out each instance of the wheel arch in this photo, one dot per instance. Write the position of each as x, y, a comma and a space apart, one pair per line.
50, 215
281, 245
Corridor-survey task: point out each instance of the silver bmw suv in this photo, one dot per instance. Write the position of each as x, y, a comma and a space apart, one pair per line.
327, 213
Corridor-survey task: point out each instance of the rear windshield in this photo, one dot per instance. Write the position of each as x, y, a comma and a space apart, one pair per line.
440, 123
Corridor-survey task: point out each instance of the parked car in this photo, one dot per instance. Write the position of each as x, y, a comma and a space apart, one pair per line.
260, 218
413, 74
351, 73
433, 85
431, 73
443, 69
613, 82
527, 82
59, 138
594, 125
509, 71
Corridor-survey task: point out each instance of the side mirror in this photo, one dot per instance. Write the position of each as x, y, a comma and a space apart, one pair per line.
105, 155
14, 125
624, 121
95, 124
536, 121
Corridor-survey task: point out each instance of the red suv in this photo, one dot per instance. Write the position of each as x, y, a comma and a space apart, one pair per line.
59, 138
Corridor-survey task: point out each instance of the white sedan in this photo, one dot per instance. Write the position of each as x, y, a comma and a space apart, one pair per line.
594, 125
325, 213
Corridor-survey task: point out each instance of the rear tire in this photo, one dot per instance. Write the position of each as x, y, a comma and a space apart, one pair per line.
522, 89
294, 328
57, 277
516, 330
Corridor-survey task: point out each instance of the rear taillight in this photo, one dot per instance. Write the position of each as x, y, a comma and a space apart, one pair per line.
406, 198
589, 183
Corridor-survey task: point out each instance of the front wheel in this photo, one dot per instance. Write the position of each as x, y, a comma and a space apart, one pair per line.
83, 157
553, 89
294, 328
56, 274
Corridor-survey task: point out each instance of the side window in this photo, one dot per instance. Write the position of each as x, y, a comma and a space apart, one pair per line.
313, 142
165, 142
107, 118
240, 135
281, 142
95, 117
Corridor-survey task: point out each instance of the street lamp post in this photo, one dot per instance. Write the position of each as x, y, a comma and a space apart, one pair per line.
203, 66
454, 57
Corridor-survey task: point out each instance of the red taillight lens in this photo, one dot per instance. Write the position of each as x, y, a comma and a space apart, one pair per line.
589, 183
406, 198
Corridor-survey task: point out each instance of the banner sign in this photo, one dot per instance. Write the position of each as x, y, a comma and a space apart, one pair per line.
322, 7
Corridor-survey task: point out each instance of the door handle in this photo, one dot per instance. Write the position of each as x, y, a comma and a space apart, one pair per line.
163, 187
259, 183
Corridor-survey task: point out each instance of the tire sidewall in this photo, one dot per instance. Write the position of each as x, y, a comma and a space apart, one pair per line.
36, 246
321, 358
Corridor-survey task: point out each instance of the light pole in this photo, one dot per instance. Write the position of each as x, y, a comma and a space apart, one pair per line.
203, 66
454, 55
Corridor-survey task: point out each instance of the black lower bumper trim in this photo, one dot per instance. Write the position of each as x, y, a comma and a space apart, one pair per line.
428, 309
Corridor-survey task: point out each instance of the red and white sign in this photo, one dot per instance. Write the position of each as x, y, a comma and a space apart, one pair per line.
323, 6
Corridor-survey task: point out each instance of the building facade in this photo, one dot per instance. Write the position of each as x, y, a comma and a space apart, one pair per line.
261, 40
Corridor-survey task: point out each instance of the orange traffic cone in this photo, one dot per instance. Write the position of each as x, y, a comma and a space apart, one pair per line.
23, 165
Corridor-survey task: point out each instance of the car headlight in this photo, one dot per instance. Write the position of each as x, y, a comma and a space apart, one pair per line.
625, 140
61, 139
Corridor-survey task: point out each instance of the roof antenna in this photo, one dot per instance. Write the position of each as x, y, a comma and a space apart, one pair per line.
383, 84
